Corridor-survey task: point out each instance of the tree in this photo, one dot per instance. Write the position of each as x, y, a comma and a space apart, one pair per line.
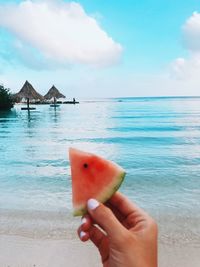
6, 100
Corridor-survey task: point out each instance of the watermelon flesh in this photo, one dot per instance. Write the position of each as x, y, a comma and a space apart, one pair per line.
92, 177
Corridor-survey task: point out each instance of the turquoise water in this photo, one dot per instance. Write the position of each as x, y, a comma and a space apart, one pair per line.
157, 141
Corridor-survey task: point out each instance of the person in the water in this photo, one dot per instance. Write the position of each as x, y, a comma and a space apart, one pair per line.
129, 236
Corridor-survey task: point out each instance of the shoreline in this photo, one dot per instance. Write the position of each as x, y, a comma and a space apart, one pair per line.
174, 227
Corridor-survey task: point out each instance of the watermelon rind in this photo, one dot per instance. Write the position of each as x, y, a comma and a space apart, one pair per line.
105, 195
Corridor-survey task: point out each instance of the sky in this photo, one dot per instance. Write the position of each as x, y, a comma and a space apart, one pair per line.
101, 48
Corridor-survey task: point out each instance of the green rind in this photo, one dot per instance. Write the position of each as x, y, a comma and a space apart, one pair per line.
107, 194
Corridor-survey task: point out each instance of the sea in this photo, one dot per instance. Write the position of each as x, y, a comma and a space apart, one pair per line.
156, 140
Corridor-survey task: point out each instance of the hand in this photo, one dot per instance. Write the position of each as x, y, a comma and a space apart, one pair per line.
123, 233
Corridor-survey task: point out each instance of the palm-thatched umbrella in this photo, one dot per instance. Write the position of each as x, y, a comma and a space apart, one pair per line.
53, 93
29, 93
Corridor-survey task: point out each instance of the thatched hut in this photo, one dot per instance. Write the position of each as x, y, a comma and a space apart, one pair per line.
53, 94
27, 92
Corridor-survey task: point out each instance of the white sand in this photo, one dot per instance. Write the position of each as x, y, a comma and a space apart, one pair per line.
45, 239
16, 251
179, 256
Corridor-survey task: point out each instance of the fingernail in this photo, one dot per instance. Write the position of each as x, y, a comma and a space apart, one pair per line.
83, 220
92, 204
82, 234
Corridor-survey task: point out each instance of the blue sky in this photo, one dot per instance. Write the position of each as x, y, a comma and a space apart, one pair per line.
102, 48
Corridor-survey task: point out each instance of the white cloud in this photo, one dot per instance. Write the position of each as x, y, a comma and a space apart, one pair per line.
191, 33
188, 69
61, 32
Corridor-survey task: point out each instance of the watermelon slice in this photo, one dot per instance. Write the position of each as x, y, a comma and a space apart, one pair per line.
92, 177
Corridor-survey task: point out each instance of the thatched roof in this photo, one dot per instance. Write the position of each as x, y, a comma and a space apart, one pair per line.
28, 91
53, 92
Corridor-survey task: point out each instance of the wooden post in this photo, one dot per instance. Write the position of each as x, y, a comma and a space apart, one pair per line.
28, 104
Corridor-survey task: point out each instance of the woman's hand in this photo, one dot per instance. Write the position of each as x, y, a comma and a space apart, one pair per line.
123, 233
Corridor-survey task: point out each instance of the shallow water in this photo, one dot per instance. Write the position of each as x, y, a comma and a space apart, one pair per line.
157, 141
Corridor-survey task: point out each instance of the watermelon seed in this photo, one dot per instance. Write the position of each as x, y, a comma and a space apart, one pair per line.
85, 165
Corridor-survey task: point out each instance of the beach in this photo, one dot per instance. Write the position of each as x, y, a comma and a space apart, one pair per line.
25, 243
157, 142
48, 240
49, 253
46, 253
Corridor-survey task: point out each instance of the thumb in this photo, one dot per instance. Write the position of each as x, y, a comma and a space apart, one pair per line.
105, 218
